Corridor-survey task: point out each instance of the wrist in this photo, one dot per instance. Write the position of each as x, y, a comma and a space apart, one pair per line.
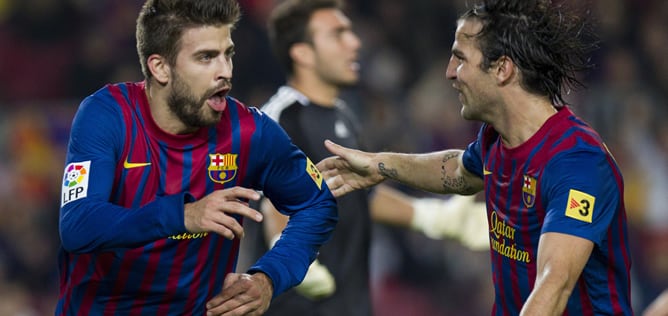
266, 281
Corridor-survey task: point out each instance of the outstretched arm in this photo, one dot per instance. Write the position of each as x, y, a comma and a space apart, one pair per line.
439, 172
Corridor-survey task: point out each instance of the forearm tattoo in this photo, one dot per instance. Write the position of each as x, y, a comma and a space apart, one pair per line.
454, 184
387, 173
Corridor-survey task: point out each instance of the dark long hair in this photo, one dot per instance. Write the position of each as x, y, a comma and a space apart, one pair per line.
162, 22
550, 43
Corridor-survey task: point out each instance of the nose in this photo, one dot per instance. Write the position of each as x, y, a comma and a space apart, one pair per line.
451, 71
356, 43
224, 68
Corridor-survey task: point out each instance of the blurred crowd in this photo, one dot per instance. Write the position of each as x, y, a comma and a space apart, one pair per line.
55, 52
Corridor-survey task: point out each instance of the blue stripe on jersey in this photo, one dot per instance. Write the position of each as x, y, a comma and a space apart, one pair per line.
513, 279
125, 93
236, 148
187, 168
177, 279
209, 185
162, 162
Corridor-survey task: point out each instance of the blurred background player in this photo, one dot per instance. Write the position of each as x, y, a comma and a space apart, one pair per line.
314, 42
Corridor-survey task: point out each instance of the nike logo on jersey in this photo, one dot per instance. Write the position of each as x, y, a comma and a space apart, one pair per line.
486, 172
131, 165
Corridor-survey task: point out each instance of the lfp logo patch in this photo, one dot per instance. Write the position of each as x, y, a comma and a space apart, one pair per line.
223, 167
75, 182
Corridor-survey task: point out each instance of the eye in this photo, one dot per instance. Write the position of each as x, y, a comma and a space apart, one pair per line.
459, 59
205, 57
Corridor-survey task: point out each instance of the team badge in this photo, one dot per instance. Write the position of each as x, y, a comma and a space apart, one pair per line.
313, 171
529, 191
580, 206
75, 182
223, 167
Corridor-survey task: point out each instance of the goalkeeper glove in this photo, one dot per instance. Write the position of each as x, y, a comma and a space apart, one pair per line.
318, 282
459, 217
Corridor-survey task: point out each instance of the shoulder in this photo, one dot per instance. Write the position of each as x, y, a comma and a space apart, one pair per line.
284, 98
252, 118
114, 97
107, 103
570, 134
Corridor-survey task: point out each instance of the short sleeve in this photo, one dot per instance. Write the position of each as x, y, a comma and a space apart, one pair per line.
582, 195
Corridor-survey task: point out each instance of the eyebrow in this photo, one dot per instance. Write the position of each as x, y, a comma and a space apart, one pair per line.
458, 53
207, 52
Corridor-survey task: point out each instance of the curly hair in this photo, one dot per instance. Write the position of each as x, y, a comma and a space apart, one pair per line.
550, 43
162, 22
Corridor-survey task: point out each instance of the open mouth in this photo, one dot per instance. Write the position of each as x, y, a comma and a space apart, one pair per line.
217, 101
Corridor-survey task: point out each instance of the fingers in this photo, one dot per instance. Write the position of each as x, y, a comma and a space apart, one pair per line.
336, 186
332, 147
212, 213
242, 294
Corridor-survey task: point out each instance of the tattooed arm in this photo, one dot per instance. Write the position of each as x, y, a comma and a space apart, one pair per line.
439, 172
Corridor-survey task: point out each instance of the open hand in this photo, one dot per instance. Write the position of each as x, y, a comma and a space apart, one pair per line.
350, 170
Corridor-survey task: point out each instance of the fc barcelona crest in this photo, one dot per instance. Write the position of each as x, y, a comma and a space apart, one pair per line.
529, 191
222, 167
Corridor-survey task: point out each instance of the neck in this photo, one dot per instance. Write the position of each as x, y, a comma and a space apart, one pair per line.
521, 118
167, 121
316, 90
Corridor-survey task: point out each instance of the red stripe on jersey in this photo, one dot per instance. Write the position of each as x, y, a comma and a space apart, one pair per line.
102, 268
216, 259
585, 300
174, 276
78, 272
247, 129
612, 287
129, 257
116, 93
149, 275
203, 261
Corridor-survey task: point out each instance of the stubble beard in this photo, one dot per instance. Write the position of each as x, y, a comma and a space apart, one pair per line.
189, 109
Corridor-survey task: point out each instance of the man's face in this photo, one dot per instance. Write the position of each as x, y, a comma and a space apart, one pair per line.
201, 76
475, 86
335, 47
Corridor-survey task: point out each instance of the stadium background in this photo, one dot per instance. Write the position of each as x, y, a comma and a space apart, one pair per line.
55, 52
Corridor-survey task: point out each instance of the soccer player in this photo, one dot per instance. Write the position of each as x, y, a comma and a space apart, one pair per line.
316, 45
159, 175
314, 42
554, 194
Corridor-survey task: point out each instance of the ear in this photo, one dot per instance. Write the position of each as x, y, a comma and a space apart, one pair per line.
505, 70
159, 68
302, 54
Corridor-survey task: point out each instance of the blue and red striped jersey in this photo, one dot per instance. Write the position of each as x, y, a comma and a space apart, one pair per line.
563, 179
125, 249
